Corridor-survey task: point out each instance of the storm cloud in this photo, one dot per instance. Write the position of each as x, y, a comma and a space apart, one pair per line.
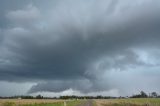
88, 46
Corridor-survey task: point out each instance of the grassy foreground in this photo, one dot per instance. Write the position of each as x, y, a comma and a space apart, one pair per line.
40, 103
129, 102
74, 103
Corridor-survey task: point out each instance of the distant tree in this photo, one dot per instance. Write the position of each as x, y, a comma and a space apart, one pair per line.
39, 97
154, 94
143, 94
99, 97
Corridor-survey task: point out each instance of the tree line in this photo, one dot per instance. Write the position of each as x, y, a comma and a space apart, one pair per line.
142, 94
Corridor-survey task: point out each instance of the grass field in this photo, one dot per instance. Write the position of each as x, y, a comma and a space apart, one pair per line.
129, 102
74, 103
40, 102
97, 102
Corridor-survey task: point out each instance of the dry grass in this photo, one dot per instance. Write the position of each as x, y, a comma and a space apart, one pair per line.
39, 102
28, 101
129, 102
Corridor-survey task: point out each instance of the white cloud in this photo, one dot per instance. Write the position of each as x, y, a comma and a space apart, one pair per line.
112, 92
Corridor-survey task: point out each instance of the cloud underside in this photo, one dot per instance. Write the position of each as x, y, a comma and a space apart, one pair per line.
79, 44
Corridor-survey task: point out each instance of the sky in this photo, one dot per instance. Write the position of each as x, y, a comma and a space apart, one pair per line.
79, 47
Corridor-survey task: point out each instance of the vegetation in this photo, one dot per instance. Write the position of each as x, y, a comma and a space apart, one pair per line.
129, 102
31, 102
141, 99
42, 102
94, 103
9, 104
74, 102
142, 94
46, 104
35, 104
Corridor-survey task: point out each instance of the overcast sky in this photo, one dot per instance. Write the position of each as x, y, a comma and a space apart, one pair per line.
80, 47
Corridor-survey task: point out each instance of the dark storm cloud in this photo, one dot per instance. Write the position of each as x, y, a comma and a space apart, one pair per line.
76, 42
